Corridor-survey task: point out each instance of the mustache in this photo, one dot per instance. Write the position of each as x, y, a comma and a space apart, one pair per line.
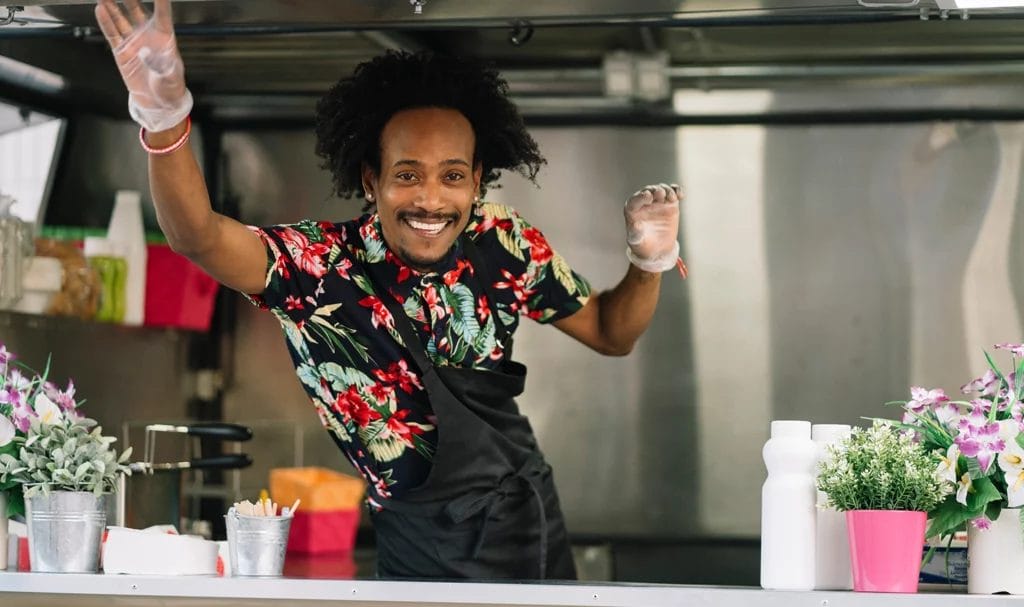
429, 217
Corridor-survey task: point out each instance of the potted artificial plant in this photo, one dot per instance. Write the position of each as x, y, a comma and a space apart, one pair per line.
886, 484
60, 463
980, 446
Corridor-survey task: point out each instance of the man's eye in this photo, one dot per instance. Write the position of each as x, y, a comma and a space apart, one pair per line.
455, 176
406, 176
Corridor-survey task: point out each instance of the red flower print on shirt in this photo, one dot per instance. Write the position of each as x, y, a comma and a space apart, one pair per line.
402, 430
452, 276
490, 223
292, 303
399, 373
482, 310
540, 250
354, 408
403, 270
433, 301
518, 286
343, 267
309, 257
383, 394
381, 315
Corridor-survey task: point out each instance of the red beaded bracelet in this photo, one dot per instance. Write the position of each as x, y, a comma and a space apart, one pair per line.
171, 148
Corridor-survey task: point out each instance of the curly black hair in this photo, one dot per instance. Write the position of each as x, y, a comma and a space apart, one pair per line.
351, 116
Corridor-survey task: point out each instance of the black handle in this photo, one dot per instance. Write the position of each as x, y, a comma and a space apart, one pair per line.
221, 462
231, 432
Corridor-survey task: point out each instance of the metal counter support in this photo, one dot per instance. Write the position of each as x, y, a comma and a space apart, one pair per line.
40, 589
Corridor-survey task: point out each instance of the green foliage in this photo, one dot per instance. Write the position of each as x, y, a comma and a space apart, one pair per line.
881, 469
71, 454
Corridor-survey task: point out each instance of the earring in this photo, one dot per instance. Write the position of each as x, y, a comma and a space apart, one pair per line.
476, 198
369, 196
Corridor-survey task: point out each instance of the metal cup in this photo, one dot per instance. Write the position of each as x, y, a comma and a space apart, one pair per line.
257, 543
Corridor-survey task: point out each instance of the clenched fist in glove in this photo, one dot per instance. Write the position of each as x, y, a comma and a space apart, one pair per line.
652, 228
147, 56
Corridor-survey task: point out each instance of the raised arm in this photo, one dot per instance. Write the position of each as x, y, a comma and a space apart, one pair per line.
147, 56
611, 322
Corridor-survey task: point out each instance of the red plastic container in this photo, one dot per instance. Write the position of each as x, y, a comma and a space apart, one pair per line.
178, 292
324, 532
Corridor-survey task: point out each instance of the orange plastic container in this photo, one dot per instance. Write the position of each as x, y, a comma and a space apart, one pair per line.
328, 517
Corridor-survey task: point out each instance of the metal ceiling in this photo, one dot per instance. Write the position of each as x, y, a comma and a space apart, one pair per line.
249, 57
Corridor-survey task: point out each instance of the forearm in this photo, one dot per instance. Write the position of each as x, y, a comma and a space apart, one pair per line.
625, 312
180, 197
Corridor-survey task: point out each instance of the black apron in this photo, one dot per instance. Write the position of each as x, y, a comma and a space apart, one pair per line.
488, 508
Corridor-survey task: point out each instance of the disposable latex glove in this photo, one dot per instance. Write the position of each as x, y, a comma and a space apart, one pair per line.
147, 55
652, 227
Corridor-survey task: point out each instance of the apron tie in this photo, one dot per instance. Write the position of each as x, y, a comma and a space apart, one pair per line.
462, 509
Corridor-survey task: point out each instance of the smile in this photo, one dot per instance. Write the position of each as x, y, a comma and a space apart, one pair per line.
427, 229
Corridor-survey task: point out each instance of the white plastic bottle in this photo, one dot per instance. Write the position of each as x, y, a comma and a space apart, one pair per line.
788, 508
832, 547
126, 228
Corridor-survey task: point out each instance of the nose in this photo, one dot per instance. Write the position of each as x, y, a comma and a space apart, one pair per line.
430, 196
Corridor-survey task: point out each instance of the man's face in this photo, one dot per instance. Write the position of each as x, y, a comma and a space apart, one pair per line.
427, 183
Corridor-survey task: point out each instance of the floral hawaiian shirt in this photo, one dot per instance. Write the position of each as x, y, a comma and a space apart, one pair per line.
324, 282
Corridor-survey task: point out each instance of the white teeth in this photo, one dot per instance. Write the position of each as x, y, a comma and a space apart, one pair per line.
433, 228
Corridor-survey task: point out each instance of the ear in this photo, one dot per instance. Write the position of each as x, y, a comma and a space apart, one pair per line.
369, 180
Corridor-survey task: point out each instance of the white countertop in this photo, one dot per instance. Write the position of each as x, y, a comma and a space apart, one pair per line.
38, 589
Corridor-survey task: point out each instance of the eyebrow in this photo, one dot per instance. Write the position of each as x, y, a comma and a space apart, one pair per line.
418, 164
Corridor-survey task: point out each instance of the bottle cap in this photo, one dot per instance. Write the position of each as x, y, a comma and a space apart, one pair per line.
791, 429
829, 433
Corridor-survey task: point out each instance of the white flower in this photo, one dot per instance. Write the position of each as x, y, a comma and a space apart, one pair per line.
965, 486
6, 431
47, 410
1011, 461
946, 469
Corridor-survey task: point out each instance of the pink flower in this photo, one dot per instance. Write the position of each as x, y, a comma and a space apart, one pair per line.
1015, 349
922, 399
985, 385
6, 356
980, 439
981, 523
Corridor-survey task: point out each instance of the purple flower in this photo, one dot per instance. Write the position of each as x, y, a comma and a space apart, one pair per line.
922, 399
983, 406
23, 415
65, 398
6, 355
985, 385
979, 439
1015, 349
981, 523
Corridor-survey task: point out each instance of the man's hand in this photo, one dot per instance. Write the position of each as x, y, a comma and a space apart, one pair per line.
652, 227
147, 55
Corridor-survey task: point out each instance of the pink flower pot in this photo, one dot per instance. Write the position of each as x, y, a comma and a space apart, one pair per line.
885, 549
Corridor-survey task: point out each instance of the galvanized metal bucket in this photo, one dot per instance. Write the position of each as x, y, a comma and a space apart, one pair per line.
64, 531
256, 544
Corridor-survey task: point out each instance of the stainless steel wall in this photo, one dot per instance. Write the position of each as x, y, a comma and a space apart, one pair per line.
832, 267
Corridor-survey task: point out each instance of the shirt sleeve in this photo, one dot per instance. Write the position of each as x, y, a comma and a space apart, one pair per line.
296, 260
547, 288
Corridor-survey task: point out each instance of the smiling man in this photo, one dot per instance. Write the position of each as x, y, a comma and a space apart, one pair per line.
400, 322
